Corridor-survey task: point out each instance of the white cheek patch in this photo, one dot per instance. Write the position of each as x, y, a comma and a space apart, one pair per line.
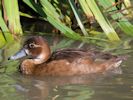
39, 59
41, 56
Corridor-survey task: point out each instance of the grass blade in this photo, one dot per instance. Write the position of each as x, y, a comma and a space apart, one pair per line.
122, 22
71, 2
5, 36
48, 12
103, 21
11, 16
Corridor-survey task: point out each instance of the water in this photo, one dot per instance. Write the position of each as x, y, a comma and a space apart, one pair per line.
87, 87
15, 86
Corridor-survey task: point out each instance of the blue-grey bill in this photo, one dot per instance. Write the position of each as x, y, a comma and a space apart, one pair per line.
18, 55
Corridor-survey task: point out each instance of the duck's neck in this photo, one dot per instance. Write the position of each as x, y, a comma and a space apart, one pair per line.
39, 59
43, 57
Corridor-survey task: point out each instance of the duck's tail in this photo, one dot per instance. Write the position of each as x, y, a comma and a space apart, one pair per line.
115, 62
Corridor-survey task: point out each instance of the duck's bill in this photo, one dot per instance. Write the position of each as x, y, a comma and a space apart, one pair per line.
22, 53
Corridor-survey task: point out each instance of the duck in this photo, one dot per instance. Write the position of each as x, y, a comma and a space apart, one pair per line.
39, 60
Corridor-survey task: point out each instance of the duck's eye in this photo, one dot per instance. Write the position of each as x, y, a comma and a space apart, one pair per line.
32, 45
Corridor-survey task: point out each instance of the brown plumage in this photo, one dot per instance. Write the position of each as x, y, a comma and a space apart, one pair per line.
63, 62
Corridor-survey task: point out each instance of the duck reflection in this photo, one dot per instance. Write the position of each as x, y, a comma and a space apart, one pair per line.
60, 87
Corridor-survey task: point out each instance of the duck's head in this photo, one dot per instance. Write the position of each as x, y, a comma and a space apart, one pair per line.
36, 48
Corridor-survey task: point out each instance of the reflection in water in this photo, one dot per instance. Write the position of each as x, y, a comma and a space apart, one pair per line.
95, 86
109, 86
52, 88
75, 92
57, 88
7, 91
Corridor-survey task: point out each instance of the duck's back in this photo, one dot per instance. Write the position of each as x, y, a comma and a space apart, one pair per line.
77, 61
72, 54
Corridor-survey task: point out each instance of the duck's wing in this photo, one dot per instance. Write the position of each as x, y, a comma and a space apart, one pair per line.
71, 54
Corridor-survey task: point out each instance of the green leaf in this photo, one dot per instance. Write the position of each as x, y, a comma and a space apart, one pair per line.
123, 23
11, 12
48, 12
5, 36
102, 20
78, 17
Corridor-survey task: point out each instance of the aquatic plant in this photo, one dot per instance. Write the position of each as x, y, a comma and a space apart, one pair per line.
9, 21
73, 18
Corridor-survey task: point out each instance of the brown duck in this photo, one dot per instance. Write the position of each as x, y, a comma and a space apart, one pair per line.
62, 62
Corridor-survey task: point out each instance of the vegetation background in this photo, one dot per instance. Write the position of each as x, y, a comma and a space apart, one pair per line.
106, 23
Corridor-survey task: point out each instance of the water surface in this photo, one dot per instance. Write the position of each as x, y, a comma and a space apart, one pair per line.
108, 86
